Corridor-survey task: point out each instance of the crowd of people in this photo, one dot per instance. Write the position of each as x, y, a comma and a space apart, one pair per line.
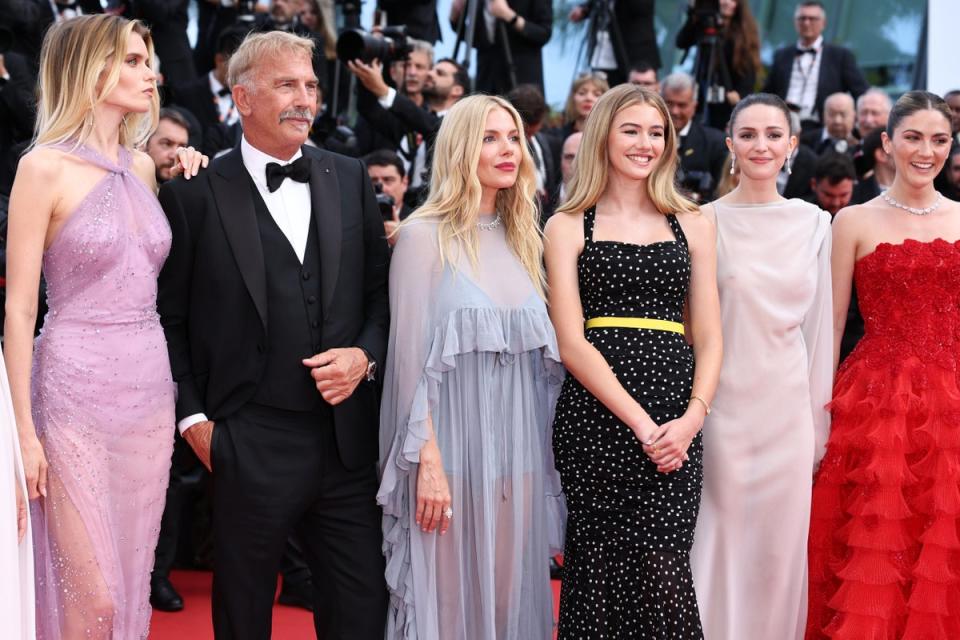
407, 362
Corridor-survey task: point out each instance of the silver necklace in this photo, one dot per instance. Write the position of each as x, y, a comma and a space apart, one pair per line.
489, 226
917, 212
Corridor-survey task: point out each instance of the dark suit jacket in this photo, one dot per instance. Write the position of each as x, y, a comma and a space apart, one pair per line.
798, 185
168, 25
838, 72
419, 16
213, 293
703, 149
525, 46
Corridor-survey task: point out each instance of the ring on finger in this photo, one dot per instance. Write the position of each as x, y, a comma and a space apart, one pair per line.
448, 513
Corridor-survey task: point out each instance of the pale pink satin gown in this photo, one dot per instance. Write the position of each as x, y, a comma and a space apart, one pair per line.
103, 405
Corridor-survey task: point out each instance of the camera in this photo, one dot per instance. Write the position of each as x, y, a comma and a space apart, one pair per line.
696, 184
356, 44
384, 202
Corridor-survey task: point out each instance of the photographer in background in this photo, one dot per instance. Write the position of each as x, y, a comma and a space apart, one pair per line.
419, 16
527, 25
622, 33
738, 43
701, 148
390, 182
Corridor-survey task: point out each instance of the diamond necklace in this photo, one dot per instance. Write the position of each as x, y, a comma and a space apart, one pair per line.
489, 226
917, 212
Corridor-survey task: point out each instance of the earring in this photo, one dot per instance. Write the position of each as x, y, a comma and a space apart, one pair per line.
789, 166
733, 164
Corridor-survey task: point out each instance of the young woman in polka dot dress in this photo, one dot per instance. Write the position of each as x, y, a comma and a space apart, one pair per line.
625, 254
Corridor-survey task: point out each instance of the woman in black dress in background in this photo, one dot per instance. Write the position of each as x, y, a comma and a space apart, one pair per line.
625, 254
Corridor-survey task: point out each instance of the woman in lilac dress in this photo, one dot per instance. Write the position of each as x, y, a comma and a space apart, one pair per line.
93, 400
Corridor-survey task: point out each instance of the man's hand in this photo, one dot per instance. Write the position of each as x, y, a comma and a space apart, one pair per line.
370, 76
3, 68
500, 9
199, 437
337, 372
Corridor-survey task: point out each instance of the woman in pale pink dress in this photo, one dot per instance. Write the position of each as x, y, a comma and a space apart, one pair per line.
93, 400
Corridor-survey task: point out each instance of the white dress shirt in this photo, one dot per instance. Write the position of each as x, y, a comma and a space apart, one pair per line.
289, 207
804, 77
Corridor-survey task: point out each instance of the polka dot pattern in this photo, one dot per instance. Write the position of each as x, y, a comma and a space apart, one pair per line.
630, 529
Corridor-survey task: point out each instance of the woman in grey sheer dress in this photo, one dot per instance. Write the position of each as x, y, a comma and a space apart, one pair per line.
469, 491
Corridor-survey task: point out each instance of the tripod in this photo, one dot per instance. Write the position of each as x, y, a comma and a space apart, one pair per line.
711, 73
602, 20
466, 34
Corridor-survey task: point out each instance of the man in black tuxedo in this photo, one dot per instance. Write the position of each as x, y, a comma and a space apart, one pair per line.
806, 73
836, 135
527, 24
533, 109
274, 304
702, 149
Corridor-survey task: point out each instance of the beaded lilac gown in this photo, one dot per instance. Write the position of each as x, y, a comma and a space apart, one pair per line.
103, 406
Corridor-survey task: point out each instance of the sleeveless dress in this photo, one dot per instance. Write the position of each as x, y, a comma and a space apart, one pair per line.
884, 546
630, 528
103, 406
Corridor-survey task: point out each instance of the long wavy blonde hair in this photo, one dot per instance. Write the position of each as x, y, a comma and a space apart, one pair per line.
455, 189
76, 56
592, 164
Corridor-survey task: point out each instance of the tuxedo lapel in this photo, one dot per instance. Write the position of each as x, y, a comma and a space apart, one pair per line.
325, 199
231, 191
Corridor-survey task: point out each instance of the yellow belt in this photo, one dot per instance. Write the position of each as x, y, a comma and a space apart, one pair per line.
635, 323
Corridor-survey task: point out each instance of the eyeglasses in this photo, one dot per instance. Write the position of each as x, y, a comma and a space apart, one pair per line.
808, 18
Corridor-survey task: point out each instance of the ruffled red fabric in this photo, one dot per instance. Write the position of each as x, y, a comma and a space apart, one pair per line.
884, 546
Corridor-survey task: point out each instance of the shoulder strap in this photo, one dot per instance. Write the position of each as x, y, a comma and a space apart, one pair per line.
589, 216
677, 230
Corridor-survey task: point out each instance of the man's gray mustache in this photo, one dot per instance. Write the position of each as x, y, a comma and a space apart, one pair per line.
299, 114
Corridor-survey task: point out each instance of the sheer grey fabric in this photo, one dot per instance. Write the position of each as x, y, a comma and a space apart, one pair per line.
474, 350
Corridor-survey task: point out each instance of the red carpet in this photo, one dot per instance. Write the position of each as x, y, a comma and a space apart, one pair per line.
193, 623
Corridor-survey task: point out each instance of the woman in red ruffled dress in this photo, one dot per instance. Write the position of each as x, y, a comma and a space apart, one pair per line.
884, 547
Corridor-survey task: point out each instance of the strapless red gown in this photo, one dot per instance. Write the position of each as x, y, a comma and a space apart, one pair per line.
884, 546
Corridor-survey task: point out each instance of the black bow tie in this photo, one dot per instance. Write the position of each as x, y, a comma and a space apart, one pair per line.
223, 92
299, 170
801, 51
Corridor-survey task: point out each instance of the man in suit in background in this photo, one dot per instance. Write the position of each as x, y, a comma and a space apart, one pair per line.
836, 135
806, 73
631, 36
873, 110
418, 16
530, 104
168, 20
274, 305
210, 100
527, 25
702, 149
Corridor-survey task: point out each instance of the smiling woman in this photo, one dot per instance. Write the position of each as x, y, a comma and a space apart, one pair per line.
627, 252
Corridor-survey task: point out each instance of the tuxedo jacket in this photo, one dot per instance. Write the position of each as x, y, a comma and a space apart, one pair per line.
213, 293
802, 166
838, 73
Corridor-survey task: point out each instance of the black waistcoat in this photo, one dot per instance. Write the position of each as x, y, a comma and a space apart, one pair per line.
294, 317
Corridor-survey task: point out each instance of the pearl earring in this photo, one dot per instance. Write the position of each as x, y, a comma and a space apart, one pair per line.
733, 164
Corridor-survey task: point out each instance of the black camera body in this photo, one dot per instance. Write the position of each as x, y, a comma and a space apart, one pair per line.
384, 202
354, 44
696, 184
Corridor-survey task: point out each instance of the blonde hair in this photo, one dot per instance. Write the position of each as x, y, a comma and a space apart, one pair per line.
455, 190
257, 48
76, 55
598, 80
592, 164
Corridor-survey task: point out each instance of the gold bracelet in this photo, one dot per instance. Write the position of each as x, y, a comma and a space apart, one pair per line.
701, 401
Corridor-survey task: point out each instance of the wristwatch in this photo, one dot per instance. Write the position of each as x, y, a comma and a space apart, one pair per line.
371, 373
